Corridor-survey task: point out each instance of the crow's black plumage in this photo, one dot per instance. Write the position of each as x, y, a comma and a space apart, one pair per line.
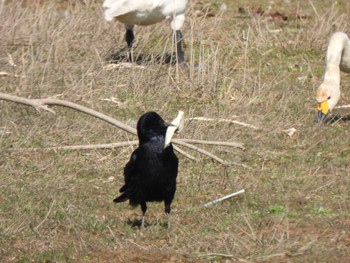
150, 175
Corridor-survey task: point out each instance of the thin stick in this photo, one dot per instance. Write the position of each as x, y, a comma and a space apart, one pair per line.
102, 146
223, 120
343, 106
128, 143
189, 156
216, 255
230, 144
195, 148
314, 8
283, 254
42, 104
4, 73
47, 215
224, 197
93, 146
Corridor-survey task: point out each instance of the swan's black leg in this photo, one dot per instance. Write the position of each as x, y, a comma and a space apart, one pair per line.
179, 52
129, 37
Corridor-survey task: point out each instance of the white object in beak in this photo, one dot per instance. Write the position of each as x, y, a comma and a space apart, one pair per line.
176, 126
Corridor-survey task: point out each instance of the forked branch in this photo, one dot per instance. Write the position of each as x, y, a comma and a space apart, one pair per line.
43, 104
223, 120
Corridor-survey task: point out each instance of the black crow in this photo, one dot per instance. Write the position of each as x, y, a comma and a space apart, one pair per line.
150, 175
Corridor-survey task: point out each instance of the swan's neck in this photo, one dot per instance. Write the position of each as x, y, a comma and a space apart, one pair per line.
338, 59
338, 54
332, 84
332, 75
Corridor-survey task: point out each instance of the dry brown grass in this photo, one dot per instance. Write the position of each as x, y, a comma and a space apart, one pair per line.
57, 206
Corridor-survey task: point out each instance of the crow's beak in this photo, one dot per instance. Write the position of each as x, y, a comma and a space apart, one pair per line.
169, 134
179, 121
176, 125
167, 125
322, 111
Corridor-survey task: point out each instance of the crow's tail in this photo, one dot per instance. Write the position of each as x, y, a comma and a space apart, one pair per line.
122, 198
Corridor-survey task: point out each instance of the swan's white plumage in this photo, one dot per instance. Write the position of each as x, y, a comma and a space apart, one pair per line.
146, 12
337, 59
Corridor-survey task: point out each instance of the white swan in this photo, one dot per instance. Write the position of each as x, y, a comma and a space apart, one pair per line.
148, 12
337, 59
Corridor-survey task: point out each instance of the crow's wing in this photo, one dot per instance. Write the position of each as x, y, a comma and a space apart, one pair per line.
129, 176
131, 169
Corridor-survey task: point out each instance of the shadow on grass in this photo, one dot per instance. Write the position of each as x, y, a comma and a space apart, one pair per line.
141, 59
136, 223
336, 118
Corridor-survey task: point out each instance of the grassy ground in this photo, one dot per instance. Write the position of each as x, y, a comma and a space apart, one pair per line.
56, 206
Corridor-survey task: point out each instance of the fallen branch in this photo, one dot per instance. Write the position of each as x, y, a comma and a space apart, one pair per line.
224, 198
230, 144
195, 148
4, 73
47, 215
343, 107
105, 146
42, 104
189, 156
223, 120
129, 143
288, 254
216, 255
122, 65
90, 147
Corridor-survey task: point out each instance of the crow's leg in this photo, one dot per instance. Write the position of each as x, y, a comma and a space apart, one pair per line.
144, 209
167, 212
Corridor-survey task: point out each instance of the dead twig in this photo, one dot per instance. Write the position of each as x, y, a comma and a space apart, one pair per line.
230, 144
343, 106
224, 198
5, 74
129, 143
216, 255
42, 104
300, 251
105, 146
223, 120
189, 156
195, 148
92, 146
47, 215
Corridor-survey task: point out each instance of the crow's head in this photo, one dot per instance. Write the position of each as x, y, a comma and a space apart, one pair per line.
150, 125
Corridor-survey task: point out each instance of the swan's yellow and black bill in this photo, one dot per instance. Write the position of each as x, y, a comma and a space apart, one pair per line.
322, 110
